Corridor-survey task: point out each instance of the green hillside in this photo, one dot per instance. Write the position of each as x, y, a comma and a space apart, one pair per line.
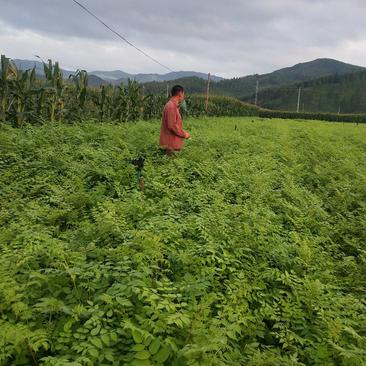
336, 93
244, 87
327, 86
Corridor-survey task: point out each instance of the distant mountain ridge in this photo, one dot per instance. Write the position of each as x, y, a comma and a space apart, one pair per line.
244, 87
115, 76
295, 74
327, 86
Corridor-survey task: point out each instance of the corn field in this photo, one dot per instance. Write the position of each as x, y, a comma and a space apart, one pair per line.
26, 98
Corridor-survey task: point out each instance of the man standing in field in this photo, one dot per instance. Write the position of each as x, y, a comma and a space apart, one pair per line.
171, 132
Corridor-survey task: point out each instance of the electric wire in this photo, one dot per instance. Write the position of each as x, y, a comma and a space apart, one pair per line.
120, 36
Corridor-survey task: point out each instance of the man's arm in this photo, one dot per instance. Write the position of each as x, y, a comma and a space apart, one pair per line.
173, 125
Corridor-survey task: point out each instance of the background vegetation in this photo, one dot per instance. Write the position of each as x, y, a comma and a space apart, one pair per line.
328, 86
27, 99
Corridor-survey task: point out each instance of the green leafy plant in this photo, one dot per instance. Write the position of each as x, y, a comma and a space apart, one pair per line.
246, 249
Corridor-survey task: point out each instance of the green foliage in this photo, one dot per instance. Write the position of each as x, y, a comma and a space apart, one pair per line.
246, 249
220, 106
192, 85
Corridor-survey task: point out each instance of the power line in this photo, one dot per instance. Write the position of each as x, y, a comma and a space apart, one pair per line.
256, 93
298, 99
120, 36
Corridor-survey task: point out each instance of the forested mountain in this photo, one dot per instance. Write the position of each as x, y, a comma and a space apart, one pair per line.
326, 86
335, 93
244, 87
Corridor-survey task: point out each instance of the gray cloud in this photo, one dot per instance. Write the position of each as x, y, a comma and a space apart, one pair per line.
229, 38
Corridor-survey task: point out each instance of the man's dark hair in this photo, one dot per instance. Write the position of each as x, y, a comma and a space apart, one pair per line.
176, 89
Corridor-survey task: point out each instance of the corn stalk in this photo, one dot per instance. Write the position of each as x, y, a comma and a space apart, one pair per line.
23, 88
8, 73
55, 88
80, 80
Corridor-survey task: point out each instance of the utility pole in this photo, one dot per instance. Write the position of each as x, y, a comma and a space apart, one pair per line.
298, 100
207, 91
339, 109
167, 91
256, 93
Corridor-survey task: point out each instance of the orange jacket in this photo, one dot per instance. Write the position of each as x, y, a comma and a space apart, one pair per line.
171, 132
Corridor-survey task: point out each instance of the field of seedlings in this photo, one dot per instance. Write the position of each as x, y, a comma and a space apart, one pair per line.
246, 249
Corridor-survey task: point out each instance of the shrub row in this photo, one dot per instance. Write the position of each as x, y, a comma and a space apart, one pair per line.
331, 117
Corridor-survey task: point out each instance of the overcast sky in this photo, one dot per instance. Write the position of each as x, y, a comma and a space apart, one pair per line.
225, 37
